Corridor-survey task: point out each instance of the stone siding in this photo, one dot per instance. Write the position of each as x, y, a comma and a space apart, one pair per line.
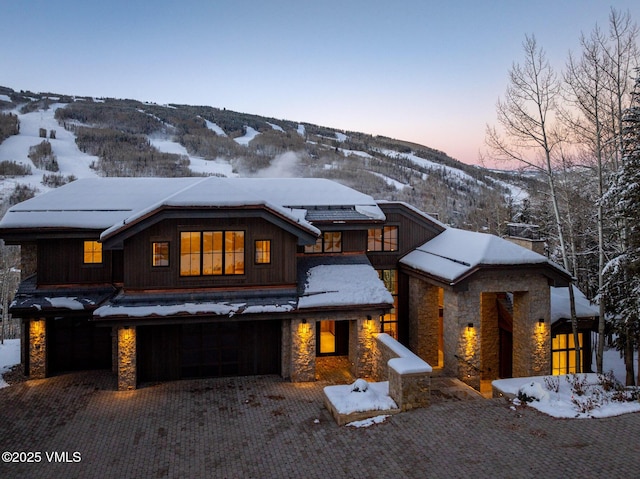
28, 259
423, 320
127, 373
303, 351
37, 349
409, 390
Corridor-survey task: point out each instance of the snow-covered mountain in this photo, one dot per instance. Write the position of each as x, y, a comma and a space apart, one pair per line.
110, 137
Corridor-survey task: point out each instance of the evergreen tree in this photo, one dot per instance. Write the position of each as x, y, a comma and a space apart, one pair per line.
622, 273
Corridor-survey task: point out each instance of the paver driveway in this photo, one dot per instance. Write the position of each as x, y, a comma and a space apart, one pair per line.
264, 427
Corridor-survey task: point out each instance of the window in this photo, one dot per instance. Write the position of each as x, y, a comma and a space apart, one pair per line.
390, 320
383, 239
210, 253
160, 253
563, 353
92, 252
263, 251
329, 242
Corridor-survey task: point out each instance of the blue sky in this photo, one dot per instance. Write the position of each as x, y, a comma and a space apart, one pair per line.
424, 71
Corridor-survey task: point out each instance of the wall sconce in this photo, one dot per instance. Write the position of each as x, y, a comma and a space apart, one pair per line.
304, 326
368, 317
541, 323
469, 326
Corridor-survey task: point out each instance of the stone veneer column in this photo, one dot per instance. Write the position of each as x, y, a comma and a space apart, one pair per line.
303, 350
461, 343
37, 348
365, 356
424, 320
531, 340
127, 368
490, 347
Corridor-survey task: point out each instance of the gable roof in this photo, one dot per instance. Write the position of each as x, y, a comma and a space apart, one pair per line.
455, 254
110, 204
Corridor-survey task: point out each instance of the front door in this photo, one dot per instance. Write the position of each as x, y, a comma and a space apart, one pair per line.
332, 338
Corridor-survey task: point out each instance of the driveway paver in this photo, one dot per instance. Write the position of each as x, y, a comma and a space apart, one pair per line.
264, 427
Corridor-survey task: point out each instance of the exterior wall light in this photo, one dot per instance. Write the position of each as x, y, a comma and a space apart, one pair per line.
470, 326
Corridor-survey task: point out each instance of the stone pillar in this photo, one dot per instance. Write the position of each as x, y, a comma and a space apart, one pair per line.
365, 356
461, 342
37, 348
424, 320
490, 347
28, 259
303, 350
285, 355
127, 368
114, 349
531, 339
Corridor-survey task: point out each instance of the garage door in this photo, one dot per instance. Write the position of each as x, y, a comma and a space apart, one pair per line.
208, 350
76, 345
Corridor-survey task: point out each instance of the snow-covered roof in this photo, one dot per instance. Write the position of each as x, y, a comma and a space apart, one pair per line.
330, 285
111, 203
455, 253
561, 307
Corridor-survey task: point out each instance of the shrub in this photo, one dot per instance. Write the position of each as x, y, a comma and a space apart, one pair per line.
21, 193
43, 156
578, 383
55, 180
552, 383
9, 125
12, 168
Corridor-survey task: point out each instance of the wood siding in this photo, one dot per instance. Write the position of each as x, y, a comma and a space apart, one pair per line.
60, 261
413, 231
140, 274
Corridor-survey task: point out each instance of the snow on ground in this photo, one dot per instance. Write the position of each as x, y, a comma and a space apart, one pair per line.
215, 128
248, 136
5, 98
9, 356
301, 131
16, 148
428, 164
276, 127
390, 181
341, 137
196, 163
566, 403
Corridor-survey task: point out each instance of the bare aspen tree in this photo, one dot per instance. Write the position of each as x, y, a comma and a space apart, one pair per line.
530, 134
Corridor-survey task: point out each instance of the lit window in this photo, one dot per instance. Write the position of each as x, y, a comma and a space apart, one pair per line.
329, 242
382, 239
209, 253
563, 353
92, 252
190, 253
160, 253
263, 252
390, 320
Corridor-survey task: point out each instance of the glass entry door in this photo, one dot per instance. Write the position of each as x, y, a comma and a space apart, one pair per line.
332, 338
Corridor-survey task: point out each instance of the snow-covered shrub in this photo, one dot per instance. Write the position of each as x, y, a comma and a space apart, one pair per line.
359, 386
532, 391
578, 383
608, 382
552, 383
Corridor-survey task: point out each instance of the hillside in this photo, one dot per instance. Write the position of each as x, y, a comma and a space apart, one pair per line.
49, 139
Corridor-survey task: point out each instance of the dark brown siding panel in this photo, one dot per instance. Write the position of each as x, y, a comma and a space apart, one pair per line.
354, 241
60, 261
140, 274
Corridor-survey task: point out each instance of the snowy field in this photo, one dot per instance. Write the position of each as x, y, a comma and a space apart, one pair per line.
9, 356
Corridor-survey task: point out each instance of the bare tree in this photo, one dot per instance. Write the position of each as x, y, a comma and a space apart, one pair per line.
530, 134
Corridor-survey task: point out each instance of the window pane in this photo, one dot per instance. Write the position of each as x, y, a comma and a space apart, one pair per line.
211, 252
234, 252
263, 252
160, 251
391, 238
333, 242
314, 248
374, 239
189, 253
92, 253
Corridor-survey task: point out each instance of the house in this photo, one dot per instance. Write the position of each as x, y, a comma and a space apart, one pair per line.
169, 278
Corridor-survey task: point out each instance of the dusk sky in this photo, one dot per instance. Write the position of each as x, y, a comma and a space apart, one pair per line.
423, 71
